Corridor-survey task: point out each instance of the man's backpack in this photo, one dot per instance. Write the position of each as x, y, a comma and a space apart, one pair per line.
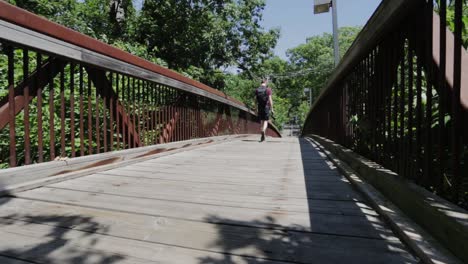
262, 96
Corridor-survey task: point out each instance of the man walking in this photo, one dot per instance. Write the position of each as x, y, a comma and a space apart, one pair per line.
265, 106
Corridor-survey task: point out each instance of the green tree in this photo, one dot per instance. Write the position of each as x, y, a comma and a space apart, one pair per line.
107, 20
312, 63
309, 66
209, 35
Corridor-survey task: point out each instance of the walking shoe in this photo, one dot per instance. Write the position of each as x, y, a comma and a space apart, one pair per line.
263, 137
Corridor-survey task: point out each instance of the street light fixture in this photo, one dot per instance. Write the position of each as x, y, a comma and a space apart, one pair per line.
309, 90
323, 6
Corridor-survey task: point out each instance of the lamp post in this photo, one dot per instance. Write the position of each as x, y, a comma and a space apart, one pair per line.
323, 6
309, 90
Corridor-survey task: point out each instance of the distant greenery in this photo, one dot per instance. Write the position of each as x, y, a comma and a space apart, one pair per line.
309, 65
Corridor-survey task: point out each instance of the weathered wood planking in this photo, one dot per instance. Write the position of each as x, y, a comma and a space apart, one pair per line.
181, 209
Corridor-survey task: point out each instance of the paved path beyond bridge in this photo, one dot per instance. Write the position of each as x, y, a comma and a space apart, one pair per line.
236, 202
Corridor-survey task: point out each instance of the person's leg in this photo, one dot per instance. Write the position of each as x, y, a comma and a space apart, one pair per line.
262, 134
264, 126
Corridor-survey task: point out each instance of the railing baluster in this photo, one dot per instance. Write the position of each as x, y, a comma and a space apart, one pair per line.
409, 148
72, 107
456, 104
104, 119
153, 113
442, 94
162, 113
97, 123
82, 131
166, 114
129, 112
90, 125
428, 173
11, 104
395, 159
185, 125
174, 112
40, 134
137, 107
133, 111
419, 119
62, 113
388, 106
27, 133
401, 97
179, 119
123, 113
111, 113
141, 112
117, 113
145, 119
176, 107
51, 114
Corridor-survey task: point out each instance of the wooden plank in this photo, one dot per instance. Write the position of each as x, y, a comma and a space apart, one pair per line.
216, 178
222, 177
204, 236
228, 200
275, 191
24, 174
331, 224
52, 244
217, 190
224, 172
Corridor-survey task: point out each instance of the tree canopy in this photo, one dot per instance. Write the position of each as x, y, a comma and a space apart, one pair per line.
209, 35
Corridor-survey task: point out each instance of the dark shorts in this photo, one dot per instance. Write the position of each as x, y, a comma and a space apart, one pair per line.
264, 113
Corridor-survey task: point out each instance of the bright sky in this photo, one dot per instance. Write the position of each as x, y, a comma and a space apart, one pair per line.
297, 21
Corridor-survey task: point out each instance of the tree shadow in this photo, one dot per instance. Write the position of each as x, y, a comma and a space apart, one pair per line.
48, 238
53, 239
242, 242
5, 196
341, 228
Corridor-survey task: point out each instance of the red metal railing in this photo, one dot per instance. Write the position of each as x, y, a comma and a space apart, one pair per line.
400, 96
65, 94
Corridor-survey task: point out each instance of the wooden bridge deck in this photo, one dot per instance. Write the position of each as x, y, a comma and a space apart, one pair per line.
234, 202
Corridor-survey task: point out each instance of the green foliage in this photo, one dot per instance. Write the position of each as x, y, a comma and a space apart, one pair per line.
281, 107
95, 18
197, 38
451, 18
210, 35
309, 66
241, 88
